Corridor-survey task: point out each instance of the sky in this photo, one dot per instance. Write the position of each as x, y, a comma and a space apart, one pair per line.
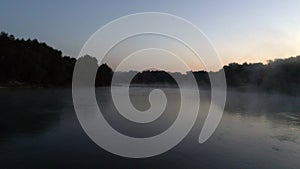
241, 31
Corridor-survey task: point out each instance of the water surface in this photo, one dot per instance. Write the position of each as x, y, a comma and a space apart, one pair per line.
39, 129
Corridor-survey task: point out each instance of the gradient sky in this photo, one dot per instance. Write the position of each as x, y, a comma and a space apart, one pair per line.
242, 31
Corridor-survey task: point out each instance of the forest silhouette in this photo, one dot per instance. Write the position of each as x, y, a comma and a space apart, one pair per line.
32, 63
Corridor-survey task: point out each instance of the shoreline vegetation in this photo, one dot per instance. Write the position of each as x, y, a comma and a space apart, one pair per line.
32, 64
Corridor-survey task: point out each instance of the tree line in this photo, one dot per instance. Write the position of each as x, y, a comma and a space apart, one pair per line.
32, 63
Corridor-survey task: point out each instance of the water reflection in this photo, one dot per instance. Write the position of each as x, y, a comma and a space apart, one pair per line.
30, 111
39, 129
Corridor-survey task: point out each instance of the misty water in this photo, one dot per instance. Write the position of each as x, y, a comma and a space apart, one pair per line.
39, 129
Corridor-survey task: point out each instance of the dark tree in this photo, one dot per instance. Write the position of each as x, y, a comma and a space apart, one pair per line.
31, 63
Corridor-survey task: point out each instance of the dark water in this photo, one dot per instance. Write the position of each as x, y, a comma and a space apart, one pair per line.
39, 129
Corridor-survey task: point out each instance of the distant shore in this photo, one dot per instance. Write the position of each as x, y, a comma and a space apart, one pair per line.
32, 64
